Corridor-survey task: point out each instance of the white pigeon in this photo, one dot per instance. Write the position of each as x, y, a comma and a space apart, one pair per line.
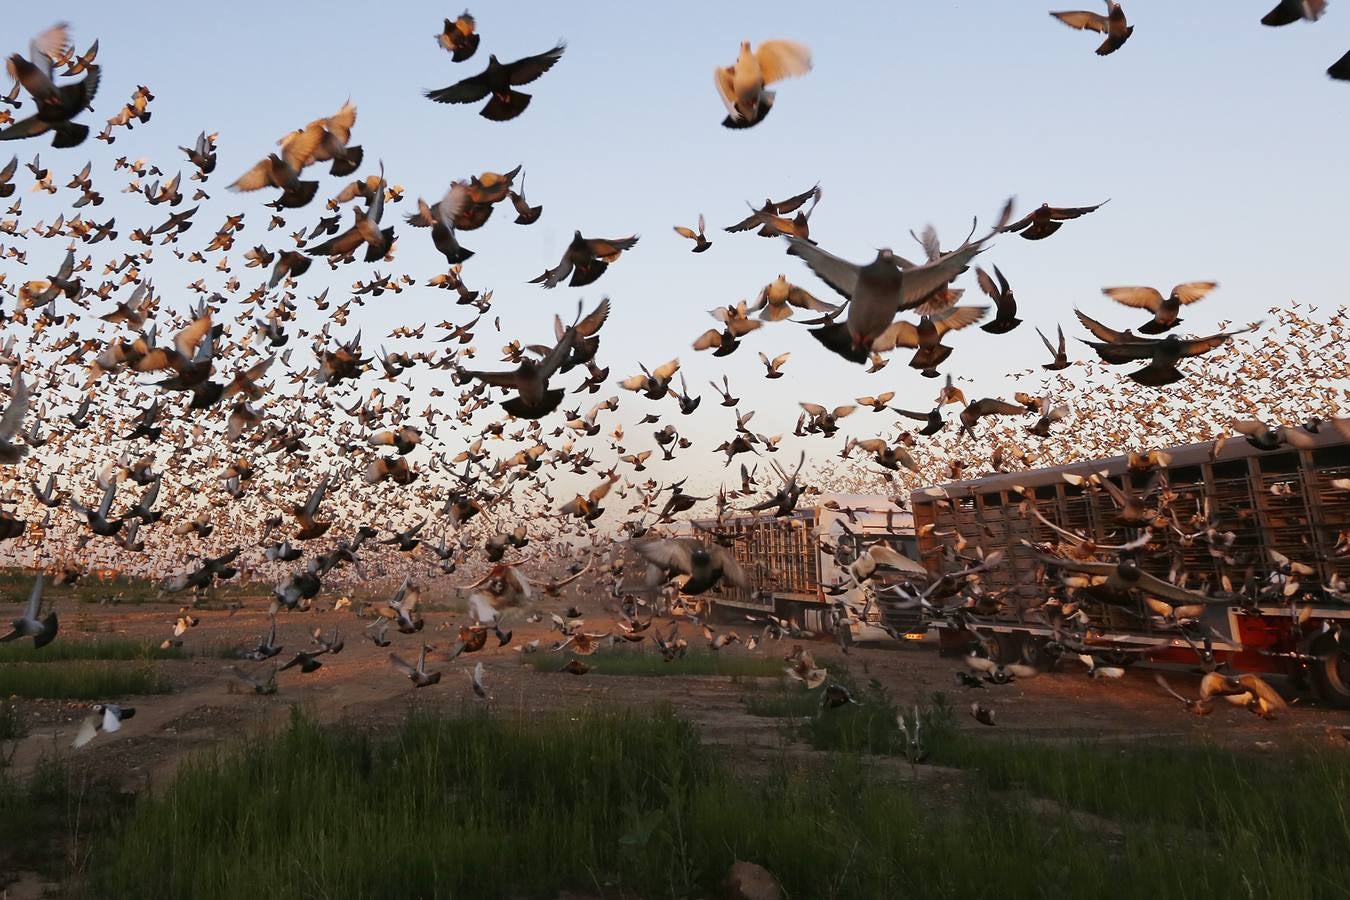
12, 421
105, 716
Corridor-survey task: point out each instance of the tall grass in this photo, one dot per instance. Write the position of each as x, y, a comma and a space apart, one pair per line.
1258, 825
639, 663
89, 681
627, 805
1278, 821
11, 724
100, 648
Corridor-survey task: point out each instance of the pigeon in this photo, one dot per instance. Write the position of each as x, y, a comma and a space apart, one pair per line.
981, 713
500, 80
106, 717
1164, 309
56, 106
418, 674
701, 242
11, 422
43, 631
742, 84
1289, 11
459, 37
876, 291
585, 259
1113, 25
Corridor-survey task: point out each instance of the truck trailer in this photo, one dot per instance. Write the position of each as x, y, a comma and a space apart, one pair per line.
1257, 506
796, 564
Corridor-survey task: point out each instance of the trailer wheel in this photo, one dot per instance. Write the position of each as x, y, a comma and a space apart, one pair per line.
1033, 652
1007, 648
1331, 678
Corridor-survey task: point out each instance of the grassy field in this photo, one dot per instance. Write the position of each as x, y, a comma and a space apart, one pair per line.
88, 681
96, 649
622, 661
628, 805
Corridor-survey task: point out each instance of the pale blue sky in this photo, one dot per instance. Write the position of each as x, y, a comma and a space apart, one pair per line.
1220, 142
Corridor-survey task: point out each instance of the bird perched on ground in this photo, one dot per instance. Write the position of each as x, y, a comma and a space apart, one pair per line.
981, 713
105, 717
585, 259
1164, 309
742, 84
1113, 25
500, 80
459, 37
56, 106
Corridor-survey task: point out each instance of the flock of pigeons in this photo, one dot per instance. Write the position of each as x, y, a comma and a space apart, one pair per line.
203, 412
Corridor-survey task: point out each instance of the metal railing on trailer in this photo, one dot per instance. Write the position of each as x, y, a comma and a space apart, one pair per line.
1282, 500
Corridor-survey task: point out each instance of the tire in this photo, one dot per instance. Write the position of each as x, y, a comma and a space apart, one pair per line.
1007, 648
1331, 680
1033, 652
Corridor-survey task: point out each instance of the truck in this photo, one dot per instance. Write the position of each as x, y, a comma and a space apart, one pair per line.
796, 564
1261, 506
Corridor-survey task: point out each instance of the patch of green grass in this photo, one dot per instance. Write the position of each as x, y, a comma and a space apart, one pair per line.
62, 650
88, 681
639, 662
1252, 825
633, 805
1284, 822
867, 726
28, 807
783, 704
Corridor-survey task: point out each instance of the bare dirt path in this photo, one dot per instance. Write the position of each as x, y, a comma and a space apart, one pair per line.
360, 686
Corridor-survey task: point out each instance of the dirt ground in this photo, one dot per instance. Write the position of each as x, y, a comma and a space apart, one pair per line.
205, 709
360, 685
